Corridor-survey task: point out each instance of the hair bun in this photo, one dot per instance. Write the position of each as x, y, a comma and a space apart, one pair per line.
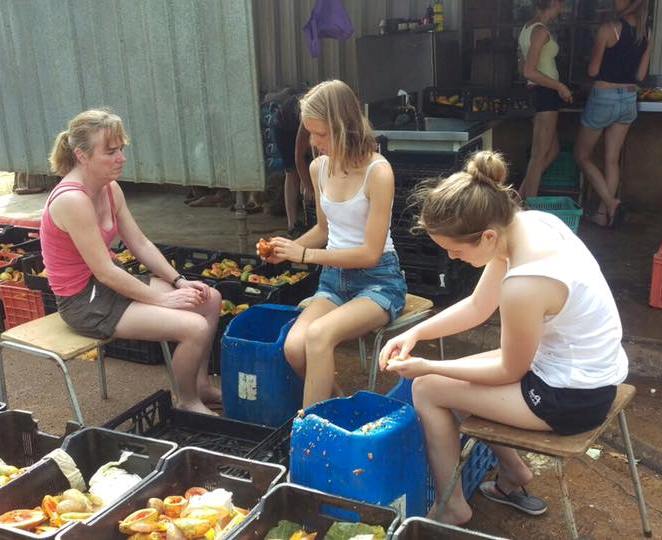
487, 167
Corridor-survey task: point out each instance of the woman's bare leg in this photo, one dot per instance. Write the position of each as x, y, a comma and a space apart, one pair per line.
435, 398
614, 140
544, 148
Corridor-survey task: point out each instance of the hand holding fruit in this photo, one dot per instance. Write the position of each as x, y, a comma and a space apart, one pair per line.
410, 367
286, 250
397, 347
265, 249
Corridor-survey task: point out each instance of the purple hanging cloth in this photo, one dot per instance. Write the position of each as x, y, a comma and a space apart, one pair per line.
327, 20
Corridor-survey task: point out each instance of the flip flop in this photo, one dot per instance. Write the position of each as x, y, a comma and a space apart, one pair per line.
520, 499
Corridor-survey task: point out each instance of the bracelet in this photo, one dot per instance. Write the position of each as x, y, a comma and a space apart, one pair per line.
303, 256
174, 281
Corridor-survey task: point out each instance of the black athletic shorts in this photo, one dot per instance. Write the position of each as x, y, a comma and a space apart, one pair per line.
567, 410
545, 99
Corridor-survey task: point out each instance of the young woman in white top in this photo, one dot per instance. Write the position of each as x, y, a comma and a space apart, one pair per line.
561, 355
361, 287
538, 50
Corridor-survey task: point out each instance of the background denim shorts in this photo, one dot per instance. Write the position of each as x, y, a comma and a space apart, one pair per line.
607, 106
383, 284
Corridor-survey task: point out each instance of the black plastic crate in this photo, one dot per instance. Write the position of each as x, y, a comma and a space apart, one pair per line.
421, 251
50, 304
23, 444
89, 448
135, 350
18, 235
32, 265
417, 528
189, 467
242, 259
313, 510
156, 417
292, 294
182, 259
238, 293
470, 104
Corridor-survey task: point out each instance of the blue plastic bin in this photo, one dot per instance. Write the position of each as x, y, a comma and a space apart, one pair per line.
366, 447
259, 386
480, 462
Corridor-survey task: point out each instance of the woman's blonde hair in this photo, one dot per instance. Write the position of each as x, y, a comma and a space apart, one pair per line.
350, 133
468, 202
638, 8
79, 135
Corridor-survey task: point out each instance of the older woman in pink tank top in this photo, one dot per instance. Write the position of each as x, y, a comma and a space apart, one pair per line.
95, 296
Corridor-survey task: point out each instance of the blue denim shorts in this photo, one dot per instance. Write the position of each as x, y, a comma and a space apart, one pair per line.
383, 284
607, 106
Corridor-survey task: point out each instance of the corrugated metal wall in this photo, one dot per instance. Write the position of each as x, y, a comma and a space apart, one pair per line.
283, 57
181, 73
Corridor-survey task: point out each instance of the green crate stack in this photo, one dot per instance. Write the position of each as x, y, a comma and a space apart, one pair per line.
566, 209
562, 174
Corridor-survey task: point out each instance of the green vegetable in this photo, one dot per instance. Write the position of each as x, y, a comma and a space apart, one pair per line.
342, 530
283, 530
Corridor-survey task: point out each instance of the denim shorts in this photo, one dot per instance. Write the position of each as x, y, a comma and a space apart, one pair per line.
607, 106
383, 284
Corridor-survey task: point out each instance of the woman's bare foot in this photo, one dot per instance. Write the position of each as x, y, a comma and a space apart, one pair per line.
455, 513
510, 480
195, 406
599, 218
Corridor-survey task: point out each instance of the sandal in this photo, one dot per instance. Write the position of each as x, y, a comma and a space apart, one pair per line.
520, 499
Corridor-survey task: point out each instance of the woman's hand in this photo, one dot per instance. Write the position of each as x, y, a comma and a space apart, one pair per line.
286, 250
564, 93
203, 288
397, 347
411, 368
271, 259
183, 298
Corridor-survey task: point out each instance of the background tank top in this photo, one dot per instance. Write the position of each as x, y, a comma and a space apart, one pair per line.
547, 61
620, 62
581, 345
347, 219
68, 273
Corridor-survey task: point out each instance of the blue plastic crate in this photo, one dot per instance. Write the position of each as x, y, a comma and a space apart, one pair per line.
480, 462
564, 208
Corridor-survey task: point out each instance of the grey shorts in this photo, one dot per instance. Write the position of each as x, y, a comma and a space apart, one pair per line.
95, 311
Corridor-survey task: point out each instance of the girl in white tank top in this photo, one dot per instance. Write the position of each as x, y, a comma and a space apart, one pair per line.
361, 287
560, 357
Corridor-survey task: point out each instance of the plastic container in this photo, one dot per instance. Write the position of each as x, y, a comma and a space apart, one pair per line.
188, 467
367, 447
23, 444
32, 265
21, 305
259, 386
313, 510
89, 448
156, 417
655, 299
425, 529
480, 462
135, 350
562, 174
564, 208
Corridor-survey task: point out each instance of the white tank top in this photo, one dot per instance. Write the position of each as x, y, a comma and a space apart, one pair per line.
347, 219
581, 345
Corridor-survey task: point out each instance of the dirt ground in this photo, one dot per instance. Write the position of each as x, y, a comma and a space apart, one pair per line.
601, 490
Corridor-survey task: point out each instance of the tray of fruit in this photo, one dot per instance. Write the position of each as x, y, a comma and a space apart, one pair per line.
650, 94
197, 494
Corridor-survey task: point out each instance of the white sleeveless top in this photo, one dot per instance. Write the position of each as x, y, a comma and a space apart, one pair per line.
581, 345
347, 219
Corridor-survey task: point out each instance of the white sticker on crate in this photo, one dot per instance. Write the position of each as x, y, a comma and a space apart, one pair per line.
247, 386
442, 280
400, 504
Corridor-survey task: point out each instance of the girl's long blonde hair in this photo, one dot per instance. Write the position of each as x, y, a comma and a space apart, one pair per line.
79, 134
350, 133
468, 202
638, 8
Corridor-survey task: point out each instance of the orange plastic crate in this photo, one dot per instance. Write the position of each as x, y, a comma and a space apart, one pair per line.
21, 305
656, 281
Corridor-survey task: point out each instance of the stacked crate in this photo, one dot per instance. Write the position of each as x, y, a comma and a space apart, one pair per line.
428, 270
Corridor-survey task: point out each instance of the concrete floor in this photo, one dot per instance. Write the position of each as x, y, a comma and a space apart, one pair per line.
601, 490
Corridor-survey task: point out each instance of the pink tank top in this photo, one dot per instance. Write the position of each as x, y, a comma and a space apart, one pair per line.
68, 274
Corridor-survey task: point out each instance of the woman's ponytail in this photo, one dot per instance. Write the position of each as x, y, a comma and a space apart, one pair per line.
62, 158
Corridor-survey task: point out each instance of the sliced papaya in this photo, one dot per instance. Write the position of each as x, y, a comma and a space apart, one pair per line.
23, 519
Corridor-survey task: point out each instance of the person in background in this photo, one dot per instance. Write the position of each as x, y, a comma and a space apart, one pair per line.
361, 287
560, 357
538, 50
293, 142
97, 298
620, 59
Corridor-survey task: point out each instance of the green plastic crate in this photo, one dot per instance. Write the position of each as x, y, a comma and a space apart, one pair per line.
563, 173
566, 209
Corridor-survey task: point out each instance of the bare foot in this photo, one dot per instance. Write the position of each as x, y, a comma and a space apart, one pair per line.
457, 514
210, 394
599, 218
195, 406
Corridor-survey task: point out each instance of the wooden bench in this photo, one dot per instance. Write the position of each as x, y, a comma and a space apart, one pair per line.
50, 337
560, 447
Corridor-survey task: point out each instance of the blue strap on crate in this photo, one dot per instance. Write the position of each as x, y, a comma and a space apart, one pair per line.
480, 462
